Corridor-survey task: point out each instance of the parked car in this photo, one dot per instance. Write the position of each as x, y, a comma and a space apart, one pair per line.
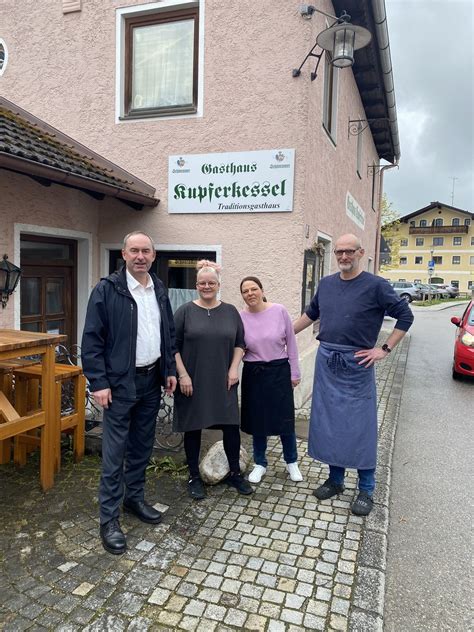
463, 363
450, 290
435, 291
408, 291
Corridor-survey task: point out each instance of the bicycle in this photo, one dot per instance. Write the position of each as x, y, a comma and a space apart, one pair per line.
165, 438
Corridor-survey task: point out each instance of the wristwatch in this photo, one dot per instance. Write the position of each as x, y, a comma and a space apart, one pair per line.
386, 348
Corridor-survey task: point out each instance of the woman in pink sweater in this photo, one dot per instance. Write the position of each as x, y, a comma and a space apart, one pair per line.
270, 374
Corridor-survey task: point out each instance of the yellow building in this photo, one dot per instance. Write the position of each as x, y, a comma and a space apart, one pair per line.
441, 234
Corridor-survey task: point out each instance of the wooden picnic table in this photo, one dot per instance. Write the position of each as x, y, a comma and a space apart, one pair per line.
16, 344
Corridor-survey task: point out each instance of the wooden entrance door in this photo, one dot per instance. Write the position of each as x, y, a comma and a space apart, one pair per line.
48, 286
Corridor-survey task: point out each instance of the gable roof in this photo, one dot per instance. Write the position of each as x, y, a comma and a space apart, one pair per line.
30, 146
438, 205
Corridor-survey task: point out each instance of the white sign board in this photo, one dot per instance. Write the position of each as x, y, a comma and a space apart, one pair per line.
238, 182
354, 211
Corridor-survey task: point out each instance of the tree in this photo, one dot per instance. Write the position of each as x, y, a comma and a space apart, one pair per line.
390, 222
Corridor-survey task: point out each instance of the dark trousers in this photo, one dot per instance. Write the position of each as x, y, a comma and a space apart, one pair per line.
231, 440
127, 443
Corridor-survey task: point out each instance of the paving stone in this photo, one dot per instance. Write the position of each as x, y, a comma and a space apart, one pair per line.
235, 617
255, 622
195, 608
215, 612
159, 596
362, 621
292, 616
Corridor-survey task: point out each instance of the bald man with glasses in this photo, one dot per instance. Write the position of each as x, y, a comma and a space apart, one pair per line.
350, 305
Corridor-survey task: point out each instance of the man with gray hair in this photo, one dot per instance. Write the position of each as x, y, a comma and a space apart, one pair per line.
128, 350
351, 305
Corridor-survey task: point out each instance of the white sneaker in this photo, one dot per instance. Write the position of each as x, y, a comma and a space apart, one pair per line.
294, 472
257, 474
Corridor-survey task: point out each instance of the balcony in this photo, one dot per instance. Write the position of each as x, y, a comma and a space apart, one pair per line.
438, 230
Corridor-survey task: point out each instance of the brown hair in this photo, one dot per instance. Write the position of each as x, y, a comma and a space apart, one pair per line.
255, 280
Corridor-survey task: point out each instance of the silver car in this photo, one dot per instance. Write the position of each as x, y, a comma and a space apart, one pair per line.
409, 291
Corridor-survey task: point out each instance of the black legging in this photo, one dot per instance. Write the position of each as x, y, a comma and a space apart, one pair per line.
231, 440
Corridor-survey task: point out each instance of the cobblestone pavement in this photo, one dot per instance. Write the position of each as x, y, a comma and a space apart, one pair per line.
278, 560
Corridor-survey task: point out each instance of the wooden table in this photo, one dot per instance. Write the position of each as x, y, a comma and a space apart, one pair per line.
17, 344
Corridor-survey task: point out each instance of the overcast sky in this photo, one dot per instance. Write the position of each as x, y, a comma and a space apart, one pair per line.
431, 43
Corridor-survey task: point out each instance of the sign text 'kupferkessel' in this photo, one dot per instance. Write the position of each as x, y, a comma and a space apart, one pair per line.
238, 182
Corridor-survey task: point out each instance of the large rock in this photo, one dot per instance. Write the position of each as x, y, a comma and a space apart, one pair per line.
214, 466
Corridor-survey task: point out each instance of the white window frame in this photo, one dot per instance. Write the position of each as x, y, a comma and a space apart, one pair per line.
144, 9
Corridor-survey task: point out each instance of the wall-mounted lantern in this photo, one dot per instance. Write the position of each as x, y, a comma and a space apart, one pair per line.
9, 277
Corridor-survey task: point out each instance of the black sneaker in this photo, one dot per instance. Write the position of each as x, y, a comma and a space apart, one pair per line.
240, 484
362, 505
196, 488
328, 490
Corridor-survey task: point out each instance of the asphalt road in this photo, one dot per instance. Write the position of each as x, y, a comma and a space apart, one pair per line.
428, 581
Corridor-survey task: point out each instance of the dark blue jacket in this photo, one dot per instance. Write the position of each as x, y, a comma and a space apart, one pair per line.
110, 336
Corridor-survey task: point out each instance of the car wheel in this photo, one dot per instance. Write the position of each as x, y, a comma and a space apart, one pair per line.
407, 297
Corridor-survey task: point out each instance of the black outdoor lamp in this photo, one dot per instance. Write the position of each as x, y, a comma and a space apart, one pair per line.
9, 277
341, 39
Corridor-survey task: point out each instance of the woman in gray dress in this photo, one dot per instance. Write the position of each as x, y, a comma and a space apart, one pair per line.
210, 343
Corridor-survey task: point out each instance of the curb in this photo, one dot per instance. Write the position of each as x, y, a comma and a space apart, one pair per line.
369, 586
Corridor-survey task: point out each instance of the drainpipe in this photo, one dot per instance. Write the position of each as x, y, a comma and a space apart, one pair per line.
379, 218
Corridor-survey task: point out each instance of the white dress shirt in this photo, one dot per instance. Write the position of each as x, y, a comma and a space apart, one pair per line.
148, 334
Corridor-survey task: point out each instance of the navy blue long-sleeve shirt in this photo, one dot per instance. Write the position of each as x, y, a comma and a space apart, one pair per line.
351, 312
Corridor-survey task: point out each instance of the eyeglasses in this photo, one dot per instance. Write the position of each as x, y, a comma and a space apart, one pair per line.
204, 283
349, 252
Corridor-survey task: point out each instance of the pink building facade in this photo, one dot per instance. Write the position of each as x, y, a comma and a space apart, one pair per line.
156, 87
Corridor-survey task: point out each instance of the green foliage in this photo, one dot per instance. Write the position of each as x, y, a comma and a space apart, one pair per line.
390, 222
167, 465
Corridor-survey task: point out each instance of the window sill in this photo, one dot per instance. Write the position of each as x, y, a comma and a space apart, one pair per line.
158, 114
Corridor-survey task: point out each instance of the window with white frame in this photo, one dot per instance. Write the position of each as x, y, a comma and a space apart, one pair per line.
455, 283
457, 241
403, 261
438, 221
420, 241
403, 243
471, 260
422, 223
160, 73
472, 241
456, 260
467, 222
331, 75
438, 241
438, 260
455, 221
470, 285
418, 260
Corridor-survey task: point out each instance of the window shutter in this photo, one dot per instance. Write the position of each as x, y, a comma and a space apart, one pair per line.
71, 5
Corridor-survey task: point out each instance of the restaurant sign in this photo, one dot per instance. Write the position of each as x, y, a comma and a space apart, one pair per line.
354, 211
239, 182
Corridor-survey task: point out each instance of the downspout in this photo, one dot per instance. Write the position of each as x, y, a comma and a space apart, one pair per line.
378, 235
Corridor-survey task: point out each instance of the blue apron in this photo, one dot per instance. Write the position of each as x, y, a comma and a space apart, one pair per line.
343, 425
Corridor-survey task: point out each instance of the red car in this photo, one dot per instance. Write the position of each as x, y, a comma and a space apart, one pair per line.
463, 363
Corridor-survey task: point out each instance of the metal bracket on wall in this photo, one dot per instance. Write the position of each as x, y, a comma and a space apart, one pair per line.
297, 71
357, 126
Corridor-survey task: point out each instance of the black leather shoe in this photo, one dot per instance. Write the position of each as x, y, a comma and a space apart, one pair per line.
240, 484
113, 539
143, 511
